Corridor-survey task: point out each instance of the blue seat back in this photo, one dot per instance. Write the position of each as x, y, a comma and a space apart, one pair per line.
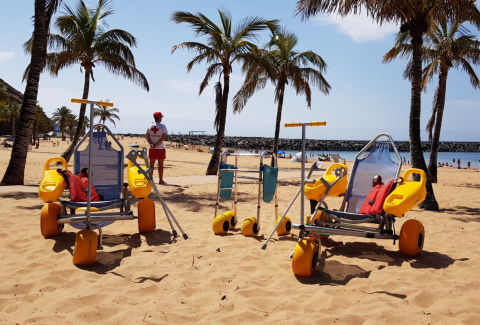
378, 162
107, 165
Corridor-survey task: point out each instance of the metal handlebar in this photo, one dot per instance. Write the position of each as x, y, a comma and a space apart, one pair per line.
297, 124
86, 101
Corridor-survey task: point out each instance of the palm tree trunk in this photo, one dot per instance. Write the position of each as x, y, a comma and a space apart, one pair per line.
215, 160
81, 117
442, 90
279, 117
15, 171
416, 152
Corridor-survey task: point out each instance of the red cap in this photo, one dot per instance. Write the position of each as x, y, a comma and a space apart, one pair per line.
157, 114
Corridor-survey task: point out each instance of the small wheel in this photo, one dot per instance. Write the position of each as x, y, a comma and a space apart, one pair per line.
305, 255
412, 237
221, 224
231, 217
285, 227
250, 227
48, 220
85, 249
146, 216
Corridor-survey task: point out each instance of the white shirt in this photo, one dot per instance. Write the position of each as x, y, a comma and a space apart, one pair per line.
156, 130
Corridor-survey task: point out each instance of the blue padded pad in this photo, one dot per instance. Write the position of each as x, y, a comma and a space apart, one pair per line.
227, 181
82, 225
270, 176
96, 204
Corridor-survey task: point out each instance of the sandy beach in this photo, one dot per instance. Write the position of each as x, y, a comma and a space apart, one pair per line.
151, 278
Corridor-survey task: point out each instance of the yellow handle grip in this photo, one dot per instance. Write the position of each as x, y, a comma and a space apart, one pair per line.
317, 123
85, 101
53, 159
410, 171
292, 125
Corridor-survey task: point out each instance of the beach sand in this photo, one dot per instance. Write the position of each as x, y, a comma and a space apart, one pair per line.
152, 279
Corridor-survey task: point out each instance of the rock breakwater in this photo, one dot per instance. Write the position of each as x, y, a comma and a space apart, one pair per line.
310, 144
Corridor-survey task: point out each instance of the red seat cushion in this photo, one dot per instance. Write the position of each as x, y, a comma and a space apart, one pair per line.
373, 204
76, 185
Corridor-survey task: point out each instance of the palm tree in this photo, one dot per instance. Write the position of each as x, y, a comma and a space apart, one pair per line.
85, 40
414, 16
71, 123
447, 46
60, 116
44, 10
106, 113
42, 124
224, 46
283, 66
10, 112
86, 124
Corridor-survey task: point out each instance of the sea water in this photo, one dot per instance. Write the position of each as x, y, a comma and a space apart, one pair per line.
443, 157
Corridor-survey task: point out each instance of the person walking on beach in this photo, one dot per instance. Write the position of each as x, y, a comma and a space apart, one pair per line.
458, 162
156, 135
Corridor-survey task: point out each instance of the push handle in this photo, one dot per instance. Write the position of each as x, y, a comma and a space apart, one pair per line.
86, 101
317, 123
53, 159
410, 171
334, 166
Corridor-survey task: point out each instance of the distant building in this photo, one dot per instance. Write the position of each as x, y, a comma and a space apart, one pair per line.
56, 128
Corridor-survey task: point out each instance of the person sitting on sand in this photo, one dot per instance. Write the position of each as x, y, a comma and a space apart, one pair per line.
6, 144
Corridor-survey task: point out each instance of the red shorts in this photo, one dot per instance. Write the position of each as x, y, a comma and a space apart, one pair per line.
157, 154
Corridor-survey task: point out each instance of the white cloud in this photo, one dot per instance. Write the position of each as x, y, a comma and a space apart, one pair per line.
359, 28
6, 55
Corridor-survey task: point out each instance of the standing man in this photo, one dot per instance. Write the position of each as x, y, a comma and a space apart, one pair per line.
156, 135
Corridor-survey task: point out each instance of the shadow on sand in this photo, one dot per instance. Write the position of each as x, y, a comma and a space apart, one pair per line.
108, 261
331, 272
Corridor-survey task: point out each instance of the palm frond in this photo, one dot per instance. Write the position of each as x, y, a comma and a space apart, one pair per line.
116, 35
466, 67
248, 89
121, 68
248, 27
200, 23
211, 71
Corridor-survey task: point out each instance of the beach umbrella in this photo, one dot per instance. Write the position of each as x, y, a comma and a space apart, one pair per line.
297, 157
281, 152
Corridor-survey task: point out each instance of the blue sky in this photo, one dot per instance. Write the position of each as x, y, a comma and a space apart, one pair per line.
367, 96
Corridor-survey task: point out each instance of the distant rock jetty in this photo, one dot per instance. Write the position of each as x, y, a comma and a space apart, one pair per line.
312, 145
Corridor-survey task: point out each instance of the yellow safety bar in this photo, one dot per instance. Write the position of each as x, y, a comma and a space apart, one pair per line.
86, 101
317, 123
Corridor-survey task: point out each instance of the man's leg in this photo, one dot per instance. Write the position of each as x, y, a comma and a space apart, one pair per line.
152, 166
160, 171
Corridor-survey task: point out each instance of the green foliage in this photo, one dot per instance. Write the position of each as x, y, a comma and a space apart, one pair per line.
106, 113
85, 40
61, 116
446, 46
3, 94
224, 45
42, 124
9, 111
280, 63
